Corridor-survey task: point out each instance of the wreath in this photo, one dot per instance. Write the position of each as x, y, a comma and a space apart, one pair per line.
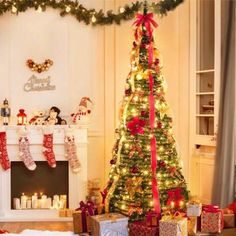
88, 16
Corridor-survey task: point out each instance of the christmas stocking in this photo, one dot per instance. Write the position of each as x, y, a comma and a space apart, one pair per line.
71, 153
24, 151
4, 160
48, 149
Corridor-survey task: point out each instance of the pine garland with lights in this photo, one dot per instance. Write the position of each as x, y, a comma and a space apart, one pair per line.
88, 16
129, 188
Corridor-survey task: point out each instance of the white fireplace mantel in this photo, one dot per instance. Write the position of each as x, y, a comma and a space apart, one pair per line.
77, 182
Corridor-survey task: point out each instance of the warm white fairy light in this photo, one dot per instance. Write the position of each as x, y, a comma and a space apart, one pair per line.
39, 9
139, 77
136, 98
122, 10
68, 9
172, 204
94, 19
13, 9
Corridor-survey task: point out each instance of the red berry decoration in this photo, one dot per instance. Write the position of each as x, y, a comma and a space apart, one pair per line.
144, 113
156, 61
112, 161
159, 125
162, 164
134, 169
127, 92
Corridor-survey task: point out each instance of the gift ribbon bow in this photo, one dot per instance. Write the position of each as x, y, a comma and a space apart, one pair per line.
176, 216
147, 21
194, 202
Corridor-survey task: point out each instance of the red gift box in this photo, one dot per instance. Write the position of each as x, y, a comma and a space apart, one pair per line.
212, 220
140, 228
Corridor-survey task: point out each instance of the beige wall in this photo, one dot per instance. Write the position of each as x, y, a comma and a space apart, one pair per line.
96, 64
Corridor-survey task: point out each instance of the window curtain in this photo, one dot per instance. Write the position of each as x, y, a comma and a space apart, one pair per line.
223, 186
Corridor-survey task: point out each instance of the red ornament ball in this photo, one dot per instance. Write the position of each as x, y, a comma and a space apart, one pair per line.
112, 161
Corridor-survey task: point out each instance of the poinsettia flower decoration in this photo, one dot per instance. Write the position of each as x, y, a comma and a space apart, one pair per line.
136, 126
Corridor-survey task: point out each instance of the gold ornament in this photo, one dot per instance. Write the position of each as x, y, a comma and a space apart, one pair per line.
133, 185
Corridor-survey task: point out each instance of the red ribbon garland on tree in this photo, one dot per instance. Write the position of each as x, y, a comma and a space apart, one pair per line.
147, 21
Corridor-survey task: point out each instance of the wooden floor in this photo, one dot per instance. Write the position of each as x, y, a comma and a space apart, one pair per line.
17, 227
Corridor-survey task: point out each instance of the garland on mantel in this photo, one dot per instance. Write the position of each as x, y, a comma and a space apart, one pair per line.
88, 16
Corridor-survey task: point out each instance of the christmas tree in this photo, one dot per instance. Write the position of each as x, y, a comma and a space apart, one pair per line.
145, 172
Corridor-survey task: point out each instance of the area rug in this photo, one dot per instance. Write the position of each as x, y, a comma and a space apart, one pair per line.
29, 232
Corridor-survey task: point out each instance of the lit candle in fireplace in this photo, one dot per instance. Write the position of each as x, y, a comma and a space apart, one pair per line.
35, 201
43, 201
49, 202
63, 201
28, 204
23, 201
16, 203
56, 201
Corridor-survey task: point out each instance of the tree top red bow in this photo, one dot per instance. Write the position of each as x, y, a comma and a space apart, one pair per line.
147, 20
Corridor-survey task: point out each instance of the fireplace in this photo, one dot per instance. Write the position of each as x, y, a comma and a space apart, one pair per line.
48, 185
60, 181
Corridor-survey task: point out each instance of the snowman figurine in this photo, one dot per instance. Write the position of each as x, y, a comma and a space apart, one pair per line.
83, 114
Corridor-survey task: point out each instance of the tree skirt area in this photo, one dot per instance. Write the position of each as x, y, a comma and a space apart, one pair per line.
29, 232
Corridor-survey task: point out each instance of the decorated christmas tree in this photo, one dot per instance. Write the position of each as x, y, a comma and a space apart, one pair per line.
145, 171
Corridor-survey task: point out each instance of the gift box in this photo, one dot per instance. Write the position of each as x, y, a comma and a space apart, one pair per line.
194, 208
212, 219
62, 213
109, 224
81, 223
69, 212
140, 228
192, 225
229, 221
173, 226
81, 217
152, 219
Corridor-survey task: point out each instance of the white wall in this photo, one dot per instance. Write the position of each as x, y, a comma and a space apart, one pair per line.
93, 61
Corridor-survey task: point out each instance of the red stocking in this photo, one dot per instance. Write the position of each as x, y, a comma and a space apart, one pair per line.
48, 149
4, 160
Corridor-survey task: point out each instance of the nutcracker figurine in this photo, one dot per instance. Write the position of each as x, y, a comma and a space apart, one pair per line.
5, 112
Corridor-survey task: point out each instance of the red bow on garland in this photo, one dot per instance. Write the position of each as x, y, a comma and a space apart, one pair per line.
147, 21
175, 195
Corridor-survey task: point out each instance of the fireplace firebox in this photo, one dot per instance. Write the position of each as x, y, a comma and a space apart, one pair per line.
43, 182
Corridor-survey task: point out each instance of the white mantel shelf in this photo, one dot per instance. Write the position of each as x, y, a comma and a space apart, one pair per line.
77, 182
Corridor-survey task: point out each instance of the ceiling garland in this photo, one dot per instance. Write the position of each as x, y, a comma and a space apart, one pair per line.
88, 16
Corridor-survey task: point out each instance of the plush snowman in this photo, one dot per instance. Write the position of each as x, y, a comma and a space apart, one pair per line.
83, 114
